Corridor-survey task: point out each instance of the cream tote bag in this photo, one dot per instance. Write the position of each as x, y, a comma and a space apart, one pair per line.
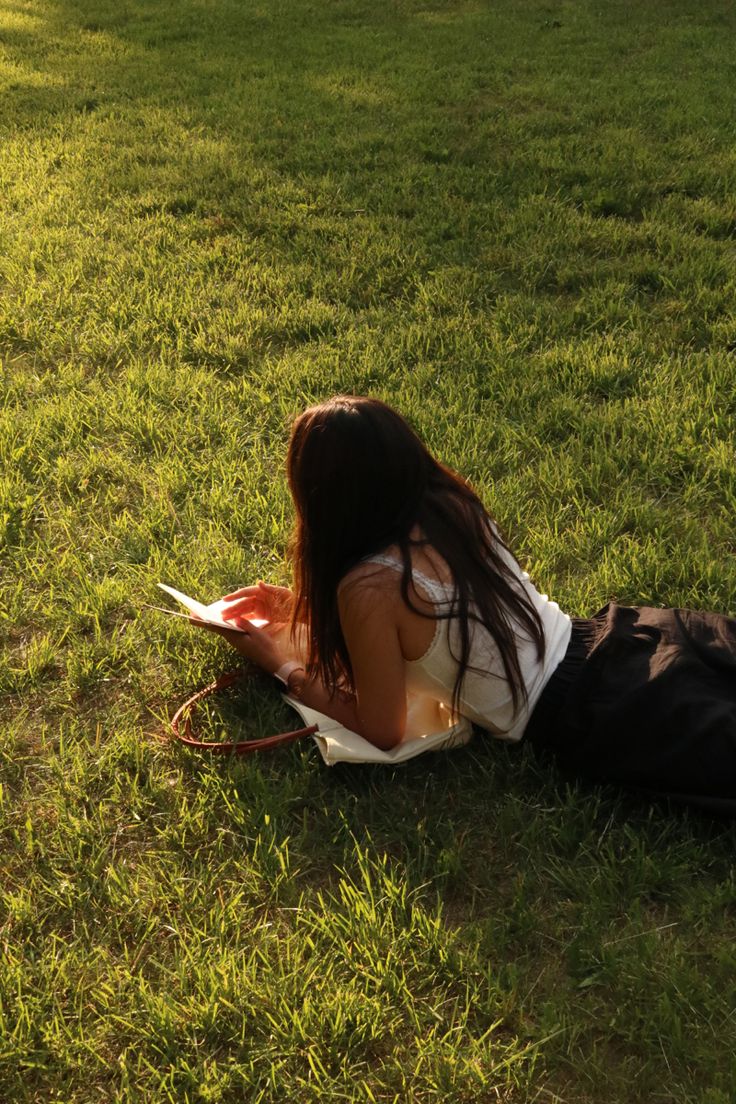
430, 725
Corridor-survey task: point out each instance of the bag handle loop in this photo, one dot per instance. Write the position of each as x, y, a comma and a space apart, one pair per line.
182, 719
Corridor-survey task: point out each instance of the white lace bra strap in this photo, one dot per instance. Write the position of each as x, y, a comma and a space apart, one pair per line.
436, 590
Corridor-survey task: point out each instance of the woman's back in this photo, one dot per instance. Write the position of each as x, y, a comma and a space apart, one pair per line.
430, 646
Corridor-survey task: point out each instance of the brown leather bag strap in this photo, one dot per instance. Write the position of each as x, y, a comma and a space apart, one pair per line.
183, 718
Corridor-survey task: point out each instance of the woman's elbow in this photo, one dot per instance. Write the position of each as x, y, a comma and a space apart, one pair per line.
385, 738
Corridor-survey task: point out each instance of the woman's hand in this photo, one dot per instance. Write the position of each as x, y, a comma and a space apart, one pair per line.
261, 602
254, 643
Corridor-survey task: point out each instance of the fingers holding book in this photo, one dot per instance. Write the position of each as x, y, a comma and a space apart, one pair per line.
262, 602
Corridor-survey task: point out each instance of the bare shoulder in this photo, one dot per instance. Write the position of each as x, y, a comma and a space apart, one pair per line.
368, 582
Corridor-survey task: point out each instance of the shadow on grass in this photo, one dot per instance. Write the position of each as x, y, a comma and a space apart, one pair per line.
469, 824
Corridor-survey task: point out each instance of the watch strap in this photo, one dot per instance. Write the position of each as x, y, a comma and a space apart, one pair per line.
286, 670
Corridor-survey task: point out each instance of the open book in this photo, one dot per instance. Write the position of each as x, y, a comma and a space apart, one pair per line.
212, 614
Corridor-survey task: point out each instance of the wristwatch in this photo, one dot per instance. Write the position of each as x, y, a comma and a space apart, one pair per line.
286, 670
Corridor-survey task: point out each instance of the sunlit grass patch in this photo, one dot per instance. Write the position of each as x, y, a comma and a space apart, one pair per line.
516, 224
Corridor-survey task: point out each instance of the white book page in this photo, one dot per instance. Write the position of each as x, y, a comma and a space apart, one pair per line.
211, 613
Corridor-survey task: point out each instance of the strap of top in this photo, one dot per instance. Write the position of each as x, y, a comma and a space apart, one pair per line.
437, 591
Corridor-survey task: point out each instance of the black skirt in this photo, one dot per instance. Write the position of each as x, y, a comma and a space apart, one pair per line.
646, 699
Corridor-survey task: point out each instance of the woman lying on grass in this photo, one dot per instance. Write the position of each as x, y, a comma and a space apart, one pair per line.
404, 582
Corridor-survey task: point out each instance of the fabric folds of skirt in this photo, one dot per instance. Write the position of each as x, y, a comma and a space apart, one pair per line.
646, 698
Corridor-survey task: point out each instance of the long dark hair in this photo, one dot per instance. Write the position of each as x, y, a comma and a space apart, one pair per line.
361, 480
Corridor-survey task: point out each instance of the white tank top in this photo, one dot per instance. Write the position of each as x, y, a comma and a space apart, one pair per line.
486, 697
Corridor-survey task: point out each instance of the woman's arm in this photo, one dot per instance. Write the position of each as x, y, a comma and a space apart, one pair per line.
377, 710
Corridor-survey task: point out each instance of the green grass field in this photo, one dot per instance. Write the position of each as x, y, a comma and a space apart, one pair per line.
515, 221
